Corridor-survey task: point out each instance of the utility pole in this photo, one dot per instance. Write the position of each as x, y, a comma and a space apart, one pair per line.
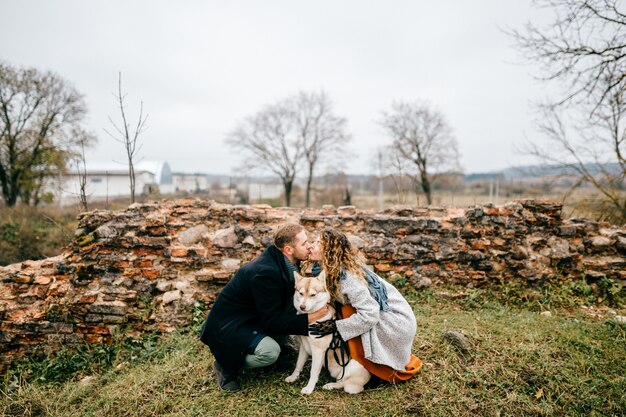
106, 174
497, 190
380, 180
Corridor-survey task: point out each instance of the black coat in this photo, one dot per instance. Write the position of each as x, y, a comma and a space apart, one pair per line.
259, 298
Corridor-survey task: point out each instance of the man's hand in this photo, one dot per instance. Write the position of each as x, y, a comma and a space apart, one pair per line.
313, 317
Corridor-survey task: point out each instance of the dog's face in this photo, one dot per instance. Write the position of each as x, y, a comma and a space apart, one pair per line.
311, 294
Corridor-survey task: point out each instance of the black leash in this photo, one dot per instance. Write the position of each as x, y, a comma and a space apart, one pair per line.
339, 348
340, 351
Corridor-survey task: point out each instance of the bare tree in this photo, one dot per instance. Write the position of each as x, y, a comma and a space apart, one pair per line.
582, 51
269, 139
591, 149
81, 169
422, 137
395, 168
321, 133
41, 120
127, 136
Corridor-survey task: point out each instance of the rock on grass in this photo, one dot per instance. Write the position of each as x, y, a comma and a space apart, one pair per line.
458, 340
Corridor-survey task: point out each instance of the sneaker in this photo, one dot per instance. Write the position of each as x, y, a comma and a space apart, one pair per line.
225, 381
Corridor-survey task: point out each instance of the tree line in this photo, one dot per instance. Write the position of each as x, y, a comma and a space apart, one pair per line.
302, 132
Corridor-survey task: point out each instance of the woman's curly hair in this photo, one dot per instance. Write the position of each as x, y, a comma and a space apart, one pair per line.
337, 253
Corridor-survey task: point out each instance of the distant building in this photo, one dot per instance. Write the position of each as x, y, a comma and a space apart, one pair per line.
190, 183
110, 180
257, 190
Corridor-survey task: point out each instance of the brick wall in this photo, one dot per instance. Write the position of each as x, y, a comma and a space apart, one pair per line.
144, 268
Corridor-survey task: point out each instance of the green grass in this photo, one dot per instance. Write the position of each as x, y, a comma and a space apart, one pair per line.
521, 363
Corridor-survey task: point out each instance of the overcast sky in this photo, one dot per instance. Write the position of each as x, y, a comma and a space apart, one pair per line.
202, 66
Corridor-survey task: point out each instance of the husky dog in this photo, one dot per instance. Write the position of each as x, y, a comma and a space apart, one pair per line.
310, 296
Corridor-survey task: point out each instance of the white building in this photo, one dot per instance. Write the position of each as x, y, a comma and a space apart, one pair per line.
257, 190
110, 180
189, 183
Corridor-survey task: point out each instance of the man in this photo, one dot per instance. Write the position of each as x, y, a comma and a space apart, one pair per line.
254, 312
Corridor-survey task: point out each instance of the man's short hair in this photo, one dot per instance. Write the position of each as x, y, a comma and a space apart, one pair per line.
286, 235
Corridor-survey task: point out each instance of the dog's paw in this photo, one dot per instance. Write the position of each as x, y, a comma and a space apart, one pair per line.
292, 378
307, 390
330, 385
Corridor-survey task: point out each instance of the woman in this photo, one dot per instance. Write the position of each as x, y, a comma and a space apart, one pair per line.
373, 309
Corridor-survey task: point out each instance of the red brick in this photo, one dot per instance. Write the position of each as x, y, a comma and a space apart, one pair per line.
383, 267
151, 273
88, 299
498, 242
22, 279
222, 275
476, 274
29, 264
429, 267
15, 315
492, 211
480, 244
96, 329
203, 252
451, 266
42, 280
178, 252
146, 251
246, 223
61, 277
92, 338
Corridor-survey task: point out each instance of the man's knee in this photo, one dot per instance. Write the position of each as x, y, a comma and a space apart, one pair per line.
268, 349
265, 353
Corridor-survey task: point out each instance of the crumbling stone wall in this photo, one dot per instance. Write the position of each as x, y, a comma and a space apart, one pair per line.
146, 268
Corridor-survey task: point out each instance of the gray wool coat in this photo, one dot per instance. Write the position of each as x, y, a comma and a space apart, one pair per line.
387, 336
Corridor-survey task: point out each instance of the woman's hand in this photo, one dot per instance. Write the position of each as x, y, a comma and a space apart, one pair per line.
322, 328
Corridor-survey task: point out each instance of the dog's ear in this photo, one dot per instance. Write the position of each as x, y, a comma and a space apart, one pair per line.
297, 276
321, 277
